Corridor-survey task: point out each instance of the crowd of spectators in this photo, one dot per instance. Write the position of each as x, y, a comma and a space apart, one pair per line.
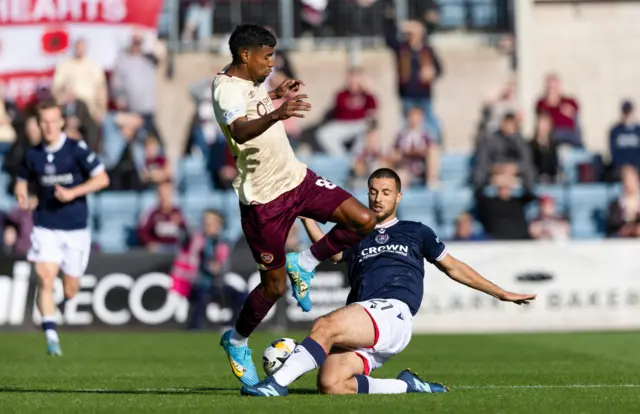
116, 116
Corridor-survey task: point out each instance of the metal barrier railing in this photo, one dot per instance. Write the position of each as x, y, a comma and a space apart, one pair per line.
338, 21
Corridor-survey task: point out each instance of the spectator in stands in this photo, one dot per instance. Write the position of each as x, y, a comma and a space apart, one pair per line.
354, 106
368, 159
563, 110
8, 118
79, 124
31, 135
624, 214
17, 230
418, 68
133, 81
624, 139
199, 18
86, 78
465, 230
496, 107
502, 215
544, 150
205, 134
123, 156
549, 225
312, 15
415, 155
223, 169
505, 151
212, 254
163, 228
156, 166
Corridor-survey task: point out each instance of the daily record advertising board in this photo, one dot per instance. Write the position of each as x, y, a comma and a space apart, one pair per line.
580, 286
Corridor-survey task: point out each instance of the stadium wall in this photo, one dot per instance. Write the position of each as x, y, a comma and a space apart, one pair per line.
592, 46
580, 286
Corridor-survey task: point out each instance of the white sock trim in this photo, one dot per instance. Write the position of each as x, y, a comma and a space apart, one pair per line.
308, 261
236, 339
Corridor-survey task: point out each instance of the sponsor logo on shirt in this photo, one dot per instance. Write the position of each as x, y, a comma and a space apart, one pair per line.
61, 179
386, 248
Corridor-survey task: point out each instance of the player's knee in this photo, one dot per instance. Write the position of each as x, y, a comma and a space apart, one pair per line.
275, 286
71, 289
322, 329
46, 283
331, 383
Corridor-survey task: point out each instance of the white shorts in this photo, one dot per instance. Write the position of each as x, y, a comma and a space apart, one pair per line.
70, 249
393, 322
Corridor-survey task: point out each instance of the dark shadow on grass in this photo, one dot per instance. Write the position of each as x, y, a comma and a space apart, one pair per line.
180, 391
168, 391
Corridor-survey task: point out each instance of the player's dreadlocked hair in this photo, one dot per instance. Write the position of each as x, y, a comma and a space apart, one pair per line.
248, 36
386, 173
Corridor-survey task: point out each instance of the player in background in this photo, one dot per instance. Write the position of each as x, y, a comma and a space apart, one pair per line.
63, 171
386, 271
274, 187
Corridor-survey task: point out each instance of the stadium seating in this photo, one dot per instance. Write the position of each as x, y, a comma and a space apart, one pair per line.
192, 175
557, 192
336, 169
419, 205
455, 169
116, 214
587, 207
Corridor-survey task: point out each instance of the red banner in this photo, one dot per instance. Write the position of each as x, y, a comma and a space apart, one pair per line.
135, 12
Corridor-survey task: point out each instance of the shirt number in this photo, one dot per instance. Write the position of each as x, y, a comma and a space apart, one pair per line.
323, 182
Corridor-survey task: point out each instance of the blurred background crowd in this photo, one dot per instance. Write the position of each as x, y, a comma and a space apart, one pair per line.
429, 88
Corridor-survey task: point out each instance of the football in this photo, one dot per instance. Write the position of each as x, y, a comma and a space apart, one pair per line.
276, 353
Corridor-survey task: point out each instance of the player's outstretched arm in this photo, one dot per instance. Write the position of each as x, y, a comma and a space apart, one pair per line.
21, 191
244, 130
315, 234
464, 274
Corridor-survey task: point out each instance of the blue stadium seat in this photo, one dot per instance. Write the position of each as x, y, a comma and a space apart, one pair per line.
7, 202
453, 202
587, 206
116, 212
333, 168
571, 158
195, 203
418, 205
455, 169
194, 175
148, 200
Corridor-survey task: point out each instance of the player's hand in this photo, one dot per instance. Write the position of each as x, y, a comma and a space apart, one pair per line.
517, 298
23, 201
289, 85
294, 108
64, 194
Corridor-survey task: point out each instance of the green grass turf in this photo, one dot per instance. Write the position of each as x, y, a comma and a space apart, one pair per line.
186, 372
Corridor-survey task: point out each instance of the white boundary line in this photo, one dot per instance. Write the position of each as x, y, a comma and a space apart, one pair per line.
550, 386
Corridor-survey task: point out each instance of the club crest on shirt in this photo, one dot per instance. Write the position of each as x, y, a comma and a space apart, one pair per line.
266, 257
382, 238
49, 169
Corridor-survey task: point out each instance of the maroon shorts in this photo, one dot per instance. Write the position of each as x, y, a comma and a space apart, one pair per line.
266, 226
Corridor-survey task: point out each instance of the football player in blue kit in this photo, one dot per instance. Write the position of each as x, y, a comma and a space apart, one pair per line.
386, 271
64, 171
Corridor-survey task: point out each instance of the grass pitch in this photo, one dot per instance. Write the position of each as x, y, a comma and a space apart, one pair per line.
187, 372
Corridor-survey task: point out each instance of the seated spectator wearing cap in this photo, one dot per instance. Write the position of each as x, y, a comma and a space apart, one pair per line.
549, 225
624, 139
